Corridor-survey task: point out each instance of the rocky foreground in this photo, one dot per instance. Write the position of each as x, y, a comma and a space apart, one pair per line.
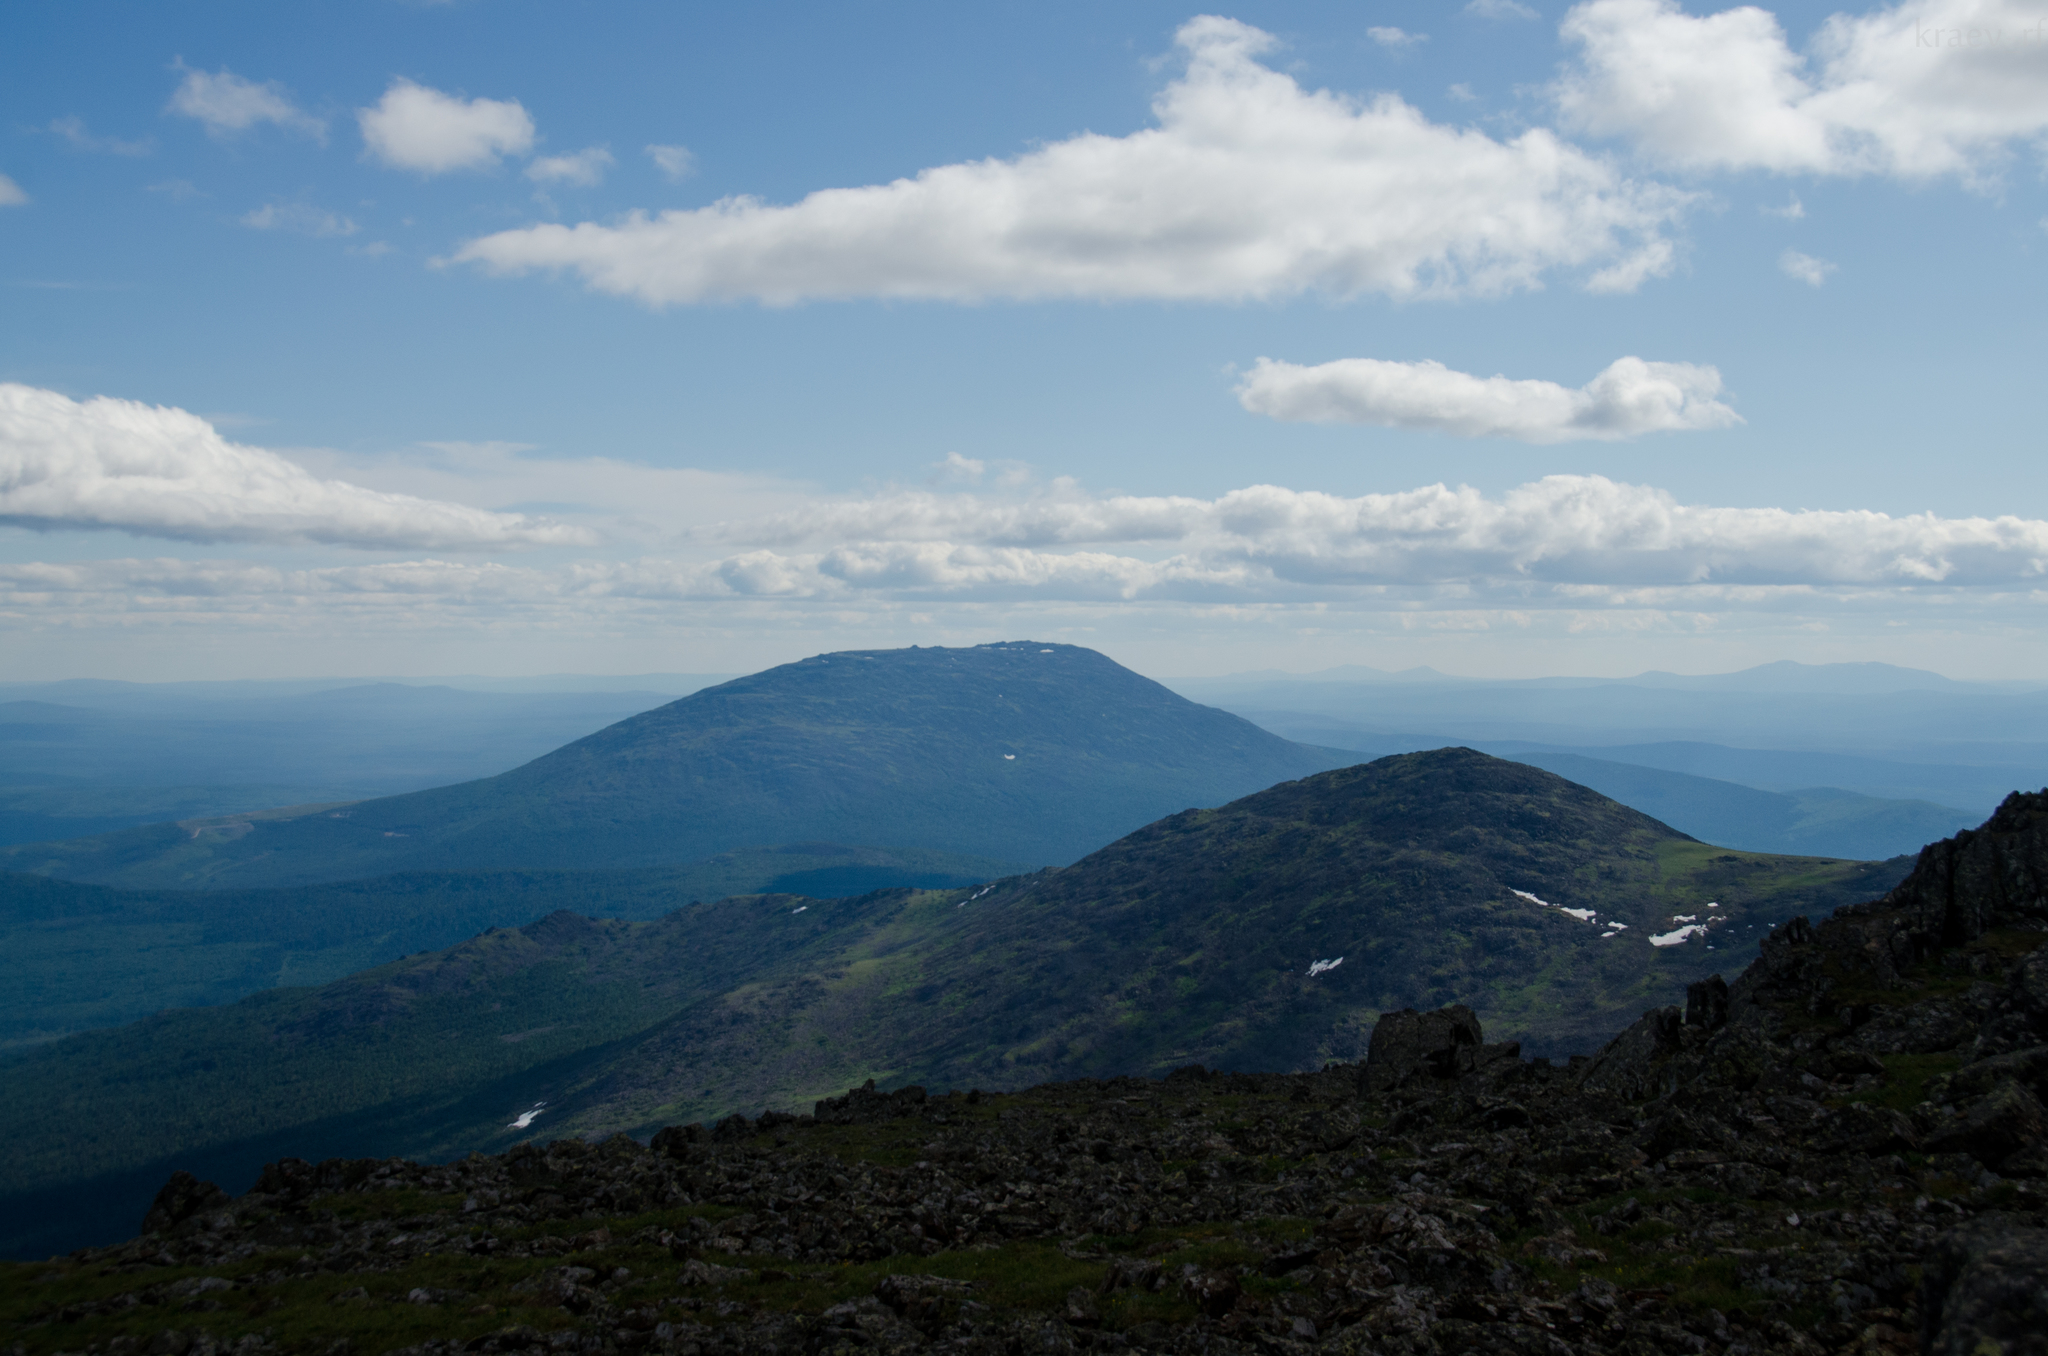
1844, 1151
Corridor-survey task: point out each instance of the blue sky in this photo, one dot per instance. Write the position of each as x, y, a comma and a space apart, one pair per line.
332, 343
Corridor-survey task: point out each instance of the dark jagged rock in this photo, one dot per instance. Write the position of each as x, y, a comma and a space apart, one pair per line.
183, 1197
1842, 1152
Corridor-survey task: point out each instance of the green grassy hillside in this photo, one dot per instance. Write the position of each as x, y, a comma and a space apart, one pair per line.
1023, 752
1189, 940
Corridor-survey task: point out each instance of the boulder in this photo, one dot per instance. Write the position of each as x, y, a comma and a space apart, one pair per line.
1409, 1045
183, 1197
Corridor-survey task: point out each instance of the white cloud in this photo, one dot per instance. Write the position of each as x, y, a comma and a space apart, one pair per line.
299, 217
11, 194
1561, 543
227, 103
1396, 39
1630, 397
1248, 187
73, 130
1500, 9
1267, 541
157, 471
1807, 269
417, 128
584, 169
1885, 92
1793, 210
675, 162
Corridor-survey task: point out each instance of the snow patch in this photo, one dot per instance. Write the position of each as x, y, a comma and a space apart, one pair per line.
526, 1117
1685, 918
1683, 934
1583, 915
798, 909
1318, 967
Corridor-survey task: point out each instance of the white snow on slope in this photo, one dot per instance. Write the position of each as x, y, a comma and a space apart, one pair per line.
1318, 967
526, 1117
1583, 915
1681, 935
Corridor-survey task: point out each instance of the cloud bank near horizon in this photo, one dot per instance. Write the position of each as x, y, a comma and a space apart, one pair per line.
157, 471
1562, 541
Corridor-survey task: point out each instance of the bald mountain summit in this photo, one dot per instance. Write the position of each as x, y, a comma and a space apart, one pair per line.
1020, 752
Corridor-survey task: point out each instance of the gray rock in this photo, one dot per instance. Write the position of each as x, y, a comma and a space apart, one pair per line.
1985, 1291
2002, 1123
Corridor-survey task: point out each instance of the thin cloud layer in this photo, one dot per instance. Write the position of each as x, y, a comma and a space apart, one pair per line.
1562, 543
1631, 397
1914, 91
417, 128
157, 471
1248, 187
226, 104
11, 194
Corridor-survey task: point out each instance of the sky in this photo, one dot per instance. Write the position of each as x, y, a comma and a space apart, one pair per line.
1509, 338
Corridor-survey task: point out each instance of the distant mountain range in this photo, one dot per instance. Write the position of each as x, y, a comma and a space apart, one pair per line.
1020, 751
1810, 732
1817, 820
1268, 933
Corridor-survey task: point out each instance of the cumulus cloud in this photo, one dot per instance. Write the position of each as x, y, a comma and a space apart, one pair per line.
1630, 397
226, 104
674, 162
11, 194
584, 169
417, 128
1248, 187
1500, 9
158, 471
1913, 91
299, 217
1807, 269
